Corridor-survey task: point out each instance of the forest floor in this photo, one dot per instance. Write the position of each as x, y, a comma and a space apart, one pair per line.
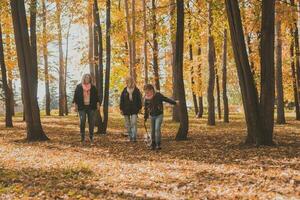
210, 165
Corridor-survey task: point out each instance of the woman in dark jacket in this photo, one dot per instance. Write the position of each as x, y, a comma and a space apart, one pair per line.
154, 108
130, 106
86, 102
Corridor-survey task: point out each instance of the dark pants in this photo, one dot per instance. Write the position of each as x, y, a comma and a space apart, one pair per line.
82, 115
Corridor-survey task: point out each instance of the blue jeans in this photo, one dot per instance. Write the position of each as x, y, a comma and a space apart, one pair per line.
131, 125
156, 122
82, 115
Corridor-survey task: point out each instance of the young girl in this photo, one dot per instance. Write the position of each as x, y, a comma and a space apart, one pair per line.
154, 108
86, 102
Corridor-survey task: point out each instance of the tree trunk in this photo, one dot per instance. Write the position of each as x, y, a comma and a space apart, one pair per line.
10, 74
107, 72
191, 59
279, 85
201, 108
224, 79
91, 39
133, 38
296, 40
178, 62
61, 60
129, 39
267, 94
45, 55
12, 99
7, 92
145, 42
155, 47
99, 67
199, 85
211, 80
218, 95
297, 48
175, 110
33, 11
66, 68
33, 121
296, 99
246, 81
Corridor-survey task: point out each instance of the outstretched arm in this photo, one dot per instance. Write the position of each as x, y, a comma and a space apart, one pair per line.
168, 100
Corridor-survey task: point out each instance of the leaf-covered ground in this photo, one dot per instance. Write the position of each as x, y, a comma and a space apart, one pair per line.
210, 165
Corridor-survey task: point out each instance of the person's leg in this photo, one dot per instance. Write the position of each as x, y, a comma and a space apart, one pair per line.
158, 123
91, 120
133, 121
82, 117
152, 132
127, 125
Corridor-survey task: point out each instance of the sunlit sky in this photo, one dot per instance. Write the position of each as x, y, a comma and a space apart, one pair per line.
78, 37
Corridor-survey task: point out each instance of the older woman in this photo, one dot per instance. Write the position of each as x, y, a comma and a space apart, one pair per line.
130, 106
86, 102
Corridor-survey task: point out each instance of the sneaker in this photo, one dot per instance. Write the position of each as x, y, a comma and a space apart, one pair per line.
158, 148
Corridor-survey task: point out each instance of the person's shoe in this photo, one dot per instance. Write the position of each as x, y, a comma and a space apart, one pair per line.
158, 148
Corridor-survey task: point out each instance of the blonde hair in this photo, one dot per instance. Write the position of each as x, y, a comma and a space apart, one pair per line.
86, 75
130, 81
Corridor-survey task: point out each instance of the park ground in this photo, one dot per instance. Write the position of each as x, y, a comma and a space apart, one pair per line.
211, 164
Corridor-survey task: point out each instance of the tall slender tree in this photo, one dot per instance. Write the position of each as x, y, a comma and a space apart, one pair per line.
33, 44
7, 93
10, 73
199, 85
211, 63
294, 77
279, 85
107, 70
191, 59
178, 62
61, 59
91, 38
267, 95
129, 39
32, 114
133, 45
297, 48
224, 79
145, 42
98, 48
155, 46
175, 109
45, 56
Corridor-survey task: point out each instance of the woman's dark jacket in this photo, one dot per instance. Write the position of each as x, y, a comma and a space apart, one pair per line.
154, 106
78, 97
131, 107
